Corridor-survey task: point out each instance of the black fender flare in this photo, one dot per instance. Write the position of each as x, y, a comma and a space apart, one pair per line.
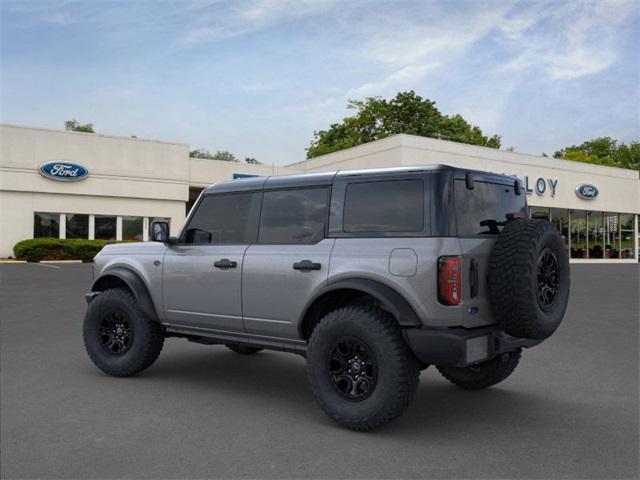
390, 299
135, 284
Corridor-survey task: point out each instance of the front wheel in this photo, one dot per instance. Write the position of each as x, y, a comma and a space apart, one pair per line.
361, 371
483, 375
120, 340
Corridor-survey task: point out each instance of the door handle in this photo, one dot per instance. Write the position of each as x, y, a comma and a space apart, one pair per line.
225, 263
306, 265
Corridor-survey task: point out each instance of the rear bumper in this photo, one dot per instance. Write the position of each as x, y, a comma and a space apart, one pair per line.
460, 347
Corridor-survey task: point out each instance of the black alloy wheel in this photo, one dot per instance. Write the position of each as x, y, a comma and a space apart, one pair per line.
361, 370
353, 369
116, 332
119, 338
547, 278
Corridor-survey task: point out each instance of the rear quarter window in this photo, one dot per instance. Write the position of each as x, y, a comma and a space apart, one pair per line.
481, 211
384, 207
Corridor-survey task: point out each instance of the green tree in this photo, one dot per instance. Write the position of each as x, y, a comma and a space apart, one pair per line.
604, 151
377, 118
74, 126
219, 155
201, 153
225, 156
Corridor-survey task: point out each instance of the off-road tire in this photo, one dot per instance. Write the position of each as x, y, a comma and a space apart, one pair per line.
397, 369
515, 274
243, 349
146, 344
484, 374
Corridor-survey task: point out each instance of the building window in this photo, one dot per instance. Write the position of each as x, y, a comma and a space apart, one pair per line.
595, 226
578, 234
105, 227
539, 213
626, 236
160, 219
132, 228
560, 220
611, 235
77, 226
46, 225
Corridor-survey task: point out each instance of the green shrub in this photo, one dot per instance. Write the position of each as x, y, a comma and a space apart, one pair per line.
36, 249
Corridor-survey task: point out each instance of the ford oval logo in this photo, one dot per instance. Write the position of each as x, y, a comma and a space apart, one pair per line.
64, 171
586, 191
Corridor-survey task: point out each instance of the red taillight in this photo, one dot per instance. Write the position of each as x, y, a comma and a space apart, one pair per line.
449, 280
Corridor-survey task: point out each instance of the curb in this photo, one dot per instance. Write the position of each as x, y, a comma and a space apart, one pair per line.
6, 261
60, 261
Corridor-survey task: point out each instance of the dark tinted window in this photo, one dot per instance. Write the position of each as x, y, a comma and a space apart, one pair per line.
388, 206
46, 225
224, 219
77, 226
481, 210
132, 228
294, 216
105, 227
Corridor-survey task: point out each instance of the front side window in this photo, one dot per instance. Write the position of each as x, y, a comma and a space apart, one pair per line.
484, 209
384, 206
77, 226
294, 216
46, 225
224, 219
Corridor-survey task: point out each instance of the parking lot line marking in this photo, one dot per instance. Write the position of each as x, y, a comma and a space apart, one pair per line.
48, 266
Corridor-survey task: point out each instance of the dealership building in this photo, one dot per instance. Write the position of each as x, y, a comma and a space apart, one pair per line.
78, 185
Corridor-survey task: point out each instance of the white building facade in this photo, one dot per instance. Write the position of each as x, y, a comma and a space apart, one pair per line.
77, 185
129, 183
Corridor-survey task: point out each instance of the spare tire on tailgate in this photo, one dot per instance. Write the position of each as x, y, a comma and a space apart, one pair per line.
529, 279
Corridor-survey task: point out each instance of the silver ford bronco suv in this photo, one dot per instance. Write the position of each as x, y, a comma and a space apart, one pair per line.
372, 275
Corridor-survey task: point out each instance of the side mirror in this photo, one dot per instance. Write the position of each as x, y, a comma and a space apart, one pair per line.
159, 232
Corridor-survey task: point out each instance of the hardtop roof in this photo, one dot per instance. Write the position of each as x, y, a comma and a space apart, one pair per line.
327, 178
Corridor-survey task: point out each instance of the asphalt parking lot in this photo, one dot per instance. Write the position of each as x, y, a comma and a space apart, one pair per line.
569, 411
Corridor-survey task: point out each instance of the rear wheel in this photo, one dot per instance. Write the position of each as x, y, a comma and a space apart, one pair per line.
243, 349
120, 340
360, 369
484, 374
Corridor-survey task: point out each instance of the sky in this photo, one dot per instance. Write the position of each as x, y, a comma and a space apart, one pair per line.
258, 77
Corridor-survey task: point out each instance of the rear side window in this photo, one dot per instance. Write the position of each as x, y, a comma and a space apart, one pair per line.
224, 219
294, 216
483, 209
385, 206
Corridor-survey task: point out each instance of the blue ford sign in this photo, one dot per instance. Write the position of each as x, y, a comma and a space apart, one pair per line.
63, 171
586, 191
